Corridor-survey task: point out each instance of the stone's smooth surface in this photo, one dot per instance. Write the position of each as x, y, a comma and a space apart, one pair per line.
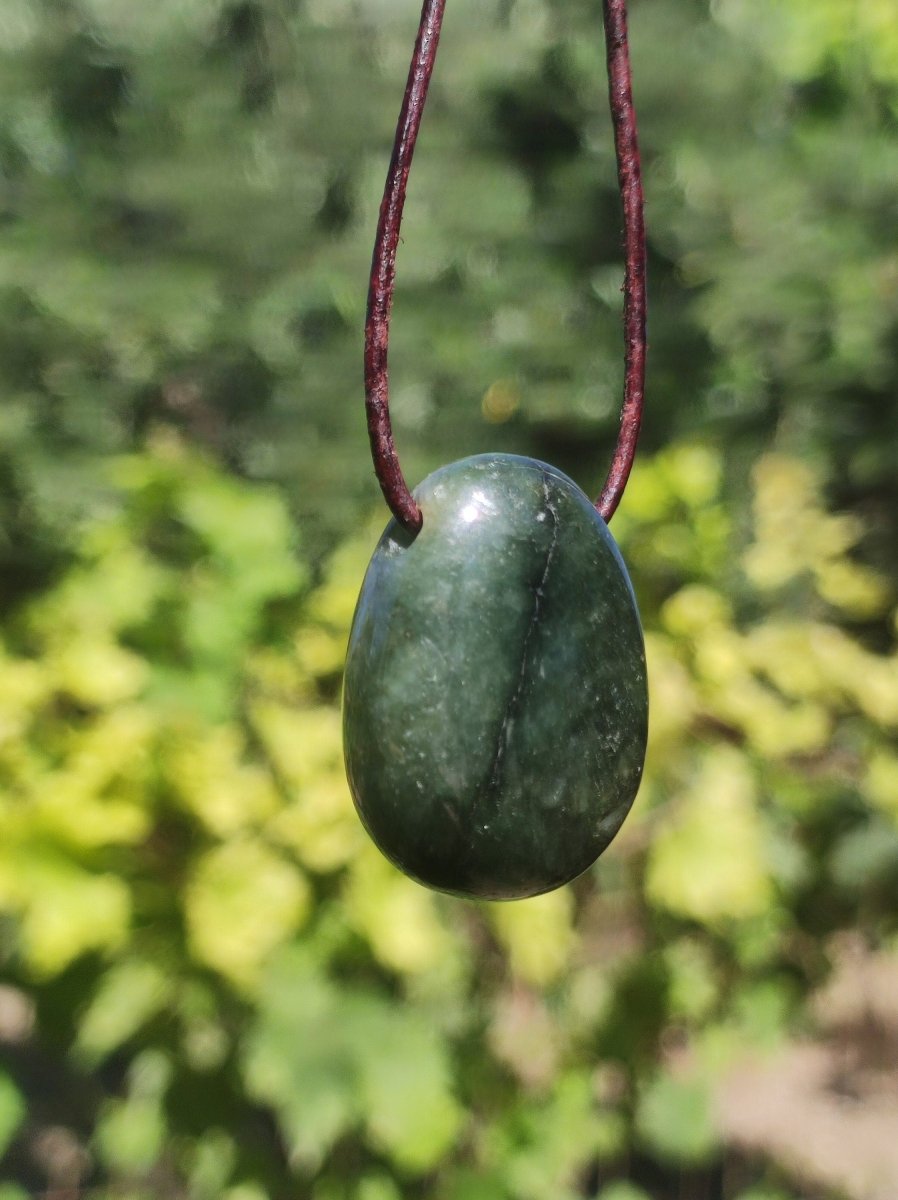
495, 707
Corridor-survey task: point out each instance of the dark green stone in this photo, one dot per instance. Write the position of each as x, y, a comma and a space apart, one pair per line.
495, 707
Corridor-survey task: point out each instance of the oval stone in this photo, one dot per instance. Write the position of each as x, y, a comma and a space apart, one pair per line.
495, 705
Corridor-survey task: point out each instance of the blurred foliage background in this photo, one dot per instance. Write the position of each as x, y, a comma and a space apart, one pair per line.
212, 986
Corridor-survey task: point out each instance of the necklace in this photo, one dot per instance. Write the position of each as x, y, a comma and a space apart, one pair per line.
495, 700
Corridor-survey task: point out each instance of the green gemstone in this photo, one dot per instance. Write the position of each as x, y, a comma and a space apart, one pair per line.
495, 707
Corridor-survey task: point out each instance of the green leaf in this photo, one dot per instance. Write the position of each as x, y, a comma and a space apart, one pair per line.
213, 1162
245, 1191
329, 1059
298, 1059
130, 1134
378, 1187
474, 1185
11, 1191
548, 1142
241, 902
406, 1088
129, 994
674, 1118
70, 910
764, 1192
622, 1190
868, 854
708, 862
12, 1111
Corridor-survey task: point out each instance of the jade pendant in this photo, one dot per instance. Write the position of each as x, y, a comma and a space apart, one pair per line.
495, 704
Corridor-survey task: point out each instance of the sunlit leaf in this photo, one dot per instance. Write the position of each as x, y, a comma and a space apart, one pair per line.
708, 862
242, 901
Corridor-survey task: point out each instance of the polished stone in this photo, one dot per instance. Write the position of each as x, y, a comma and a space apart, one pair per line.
495, 705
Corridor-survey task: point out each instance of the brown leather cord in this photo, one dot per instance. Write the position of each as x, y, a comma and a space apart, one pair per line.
383, 268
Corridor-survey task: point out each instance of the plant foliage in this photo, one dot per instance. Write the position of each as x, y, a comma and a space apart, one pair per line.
213, 986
